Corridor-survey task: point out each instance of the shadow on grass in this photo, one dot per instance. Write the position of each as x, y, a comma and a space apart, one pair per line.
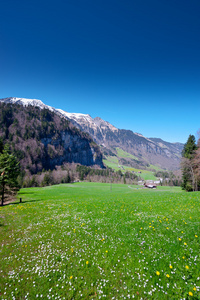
23, 202
26, 193
32, 200
27, 201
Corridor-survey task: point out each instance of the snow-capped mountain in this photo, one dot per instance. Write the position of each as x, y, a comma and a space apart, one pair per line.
148, 151
27, 102
78, 119
42, 139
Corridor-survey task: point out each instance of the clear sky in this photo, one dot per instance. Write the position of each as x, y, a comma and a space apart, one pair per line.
133, 63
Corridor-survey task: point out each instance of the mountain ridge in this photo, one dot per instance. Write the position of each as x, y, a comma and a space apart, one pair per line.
149, 150
41, 139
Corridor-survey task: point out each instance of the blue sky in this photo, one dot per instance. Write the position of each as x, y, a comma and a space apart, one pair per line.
133, 63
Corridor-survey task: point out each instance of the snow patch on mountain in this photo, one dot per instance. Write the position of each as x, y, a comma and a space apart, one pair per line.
27, 102
75, 116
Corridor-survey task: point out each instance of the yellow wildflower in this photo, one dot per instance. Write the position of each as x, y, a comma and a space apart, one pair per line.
167, 276
157, 273
170, 266
187, 267
87, 262
190, 294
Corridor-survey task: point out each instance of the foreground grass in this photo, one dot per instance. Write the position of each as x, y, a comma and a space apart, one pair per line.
96, 241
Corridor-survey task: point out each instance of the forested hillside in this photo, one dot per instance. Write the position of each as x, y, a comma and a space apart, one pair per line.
41, 139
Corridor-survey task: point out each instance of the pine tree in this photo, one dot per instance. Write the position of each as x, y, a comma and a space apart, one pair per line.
9, 171
189, 147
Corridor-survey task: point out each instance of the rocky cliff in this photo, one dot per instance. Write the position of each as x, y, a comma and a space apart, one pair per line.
148, 151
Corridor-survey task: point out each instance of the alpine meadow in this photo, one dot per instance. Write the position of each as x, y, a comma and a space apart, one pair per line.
101, 241
100, 150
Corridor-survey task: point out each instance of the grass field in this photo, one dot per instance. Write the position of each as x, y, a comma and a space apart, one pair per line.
97, 241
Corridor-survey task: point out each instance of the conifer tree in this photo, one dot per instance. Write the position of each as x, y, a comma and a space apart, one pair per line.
9, 171
189, 147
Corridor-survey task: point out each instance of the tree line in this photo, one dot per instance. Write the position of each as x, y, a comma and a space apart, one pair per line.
106, 175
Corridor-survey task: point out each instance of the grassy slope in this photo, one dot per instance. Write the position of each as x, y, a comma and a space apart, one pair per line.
124, 154
112, 162
121, 153
87, 240
145, 174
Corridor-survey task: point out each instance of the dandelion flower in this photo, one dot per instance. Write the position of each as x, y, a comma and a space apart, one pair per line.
167, 276
196, 235
170, 266
179, 239
190, 294
87, 262
157, 273
70, 277
187, 267
185, 244
194, 289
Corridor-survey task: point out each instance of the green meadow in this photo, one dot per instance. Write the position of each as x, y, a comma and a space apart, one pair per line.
100, 241
113, 162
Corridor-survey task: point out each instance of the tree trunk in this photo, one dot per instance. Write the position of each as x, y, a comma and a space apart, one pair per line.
2, 196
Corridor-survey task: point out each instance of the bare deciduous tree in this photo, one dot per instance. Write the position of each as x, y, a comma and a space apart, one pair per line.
189, 174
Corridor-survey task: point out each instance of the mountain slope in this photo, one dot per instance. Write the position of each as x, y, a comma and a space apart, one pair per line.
147, 151
41, 139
